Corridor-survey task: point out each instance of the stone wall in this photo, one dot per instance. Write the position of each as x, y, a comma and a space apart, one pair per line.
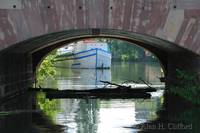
176, 21
15, 73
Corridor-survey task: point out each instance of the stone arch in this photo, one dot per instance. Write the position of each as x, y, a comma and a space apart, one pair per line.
20, 60
40, 46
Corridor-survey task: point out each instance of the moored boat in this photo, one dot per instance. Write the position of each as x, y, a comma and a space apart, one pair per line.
91, 54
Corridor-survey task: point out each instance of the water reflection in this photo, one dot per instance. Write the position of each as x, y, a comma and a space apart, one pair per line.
17, 117
148, 71
78, 78
90, 78
93, 115
99, 116
31, 113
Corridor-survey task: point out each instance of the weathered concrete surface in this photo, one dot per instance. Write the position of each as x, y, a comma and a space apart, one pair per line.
173, 20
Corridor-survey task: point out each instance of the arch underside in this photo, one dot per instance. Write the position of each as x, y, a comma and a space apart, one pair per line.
19, 62
39, 47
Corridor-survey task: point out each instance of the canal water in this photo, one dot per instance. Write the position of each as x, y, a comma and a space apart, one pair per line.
105, 116
67, 78
34, 113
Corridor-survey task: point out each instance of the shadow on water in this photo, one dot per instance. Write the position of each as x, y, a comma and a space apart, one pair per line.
35, 114
20, 115
177, 116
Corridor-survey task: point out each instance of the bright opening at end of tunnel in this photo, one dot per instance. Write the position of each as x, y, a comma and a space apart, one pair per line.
85, 64
85, 71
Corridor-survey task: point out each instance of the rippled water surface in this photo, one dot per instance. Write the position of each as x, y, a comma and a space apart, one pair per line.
105, 116
33, 113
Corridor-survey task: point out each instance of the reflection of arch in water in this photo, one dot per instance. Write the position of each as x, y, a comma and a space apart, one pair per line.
91, 77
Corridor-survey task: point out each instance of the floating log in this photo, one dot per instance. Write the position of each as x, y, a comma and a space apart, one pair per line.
86, 95
120, 91
100, 90
98, 93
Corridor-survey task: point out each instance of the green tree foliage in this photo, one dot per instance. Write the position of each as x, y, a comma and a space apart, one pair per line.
49, 107
187, 87
46, 68
123, 50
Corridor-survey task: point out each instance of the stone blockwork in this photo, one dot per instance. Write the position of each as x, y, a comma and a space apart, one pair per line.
173, 20
15, 73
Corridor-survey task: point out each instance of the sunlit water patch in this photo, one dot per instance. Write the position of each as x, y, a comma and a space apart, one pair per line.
105, 116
